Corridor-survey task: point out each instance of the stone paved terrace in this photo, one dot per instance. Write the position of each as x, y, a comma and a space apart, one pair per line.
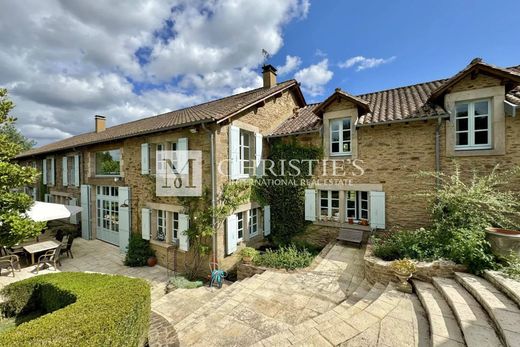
97, 256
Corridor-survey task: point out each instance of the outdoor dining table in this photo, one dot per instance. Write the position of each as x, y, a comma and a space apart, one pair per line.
40, 247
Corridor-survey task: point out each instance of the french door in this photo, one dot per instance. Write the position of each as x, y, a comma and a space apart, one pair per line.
107, 214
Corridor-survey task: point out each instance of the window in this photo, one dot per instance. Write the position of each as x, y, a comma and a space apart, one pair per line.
175, 227
240, 226
340, 136
246, 152
357, 205
108, 163
161, 225
253, 222
473, 125
329, 204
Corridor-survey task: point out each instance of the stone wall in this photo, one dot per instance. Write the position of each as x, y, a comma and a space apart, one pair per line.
378, 270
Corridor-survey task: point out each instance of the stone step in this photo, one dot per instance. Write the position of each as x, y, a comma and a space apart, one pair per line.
476, 326
220, 299
503, 311
180, 303
444, 329
507, 285
315, 331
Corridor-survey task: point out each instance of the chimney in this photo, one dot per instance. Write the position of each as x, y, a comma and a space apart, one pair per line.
269, 75
100, 123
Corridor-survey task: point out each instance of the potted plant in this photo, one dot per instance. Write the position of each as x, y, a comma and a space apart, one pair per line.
350, 220
363, 222
403, 270
151, 261
247, 254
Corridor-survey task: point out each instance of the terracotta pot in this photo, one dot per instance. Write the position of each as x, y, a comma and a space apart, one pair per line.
351, 221
152, 261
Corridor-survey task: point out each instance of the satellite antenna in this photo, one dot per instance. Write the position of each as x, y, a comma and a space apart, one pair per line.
266, 55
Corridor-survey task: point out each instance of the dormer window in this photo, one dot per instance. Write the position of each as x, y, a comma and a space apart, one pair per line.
341, 136
473, 125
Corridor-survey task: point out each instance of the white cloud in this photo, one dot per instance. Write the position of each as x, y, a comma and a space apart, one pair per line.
68, 60
314, 77
363, 63
291, 64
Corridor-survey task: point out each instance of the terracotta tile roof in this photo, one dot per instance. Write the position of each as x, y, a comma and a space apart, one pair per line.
207, 112
397, 104
303, 121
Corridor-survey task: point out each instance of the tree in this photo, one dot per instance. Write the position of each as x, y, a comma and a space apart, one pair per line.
15, 226
15, 136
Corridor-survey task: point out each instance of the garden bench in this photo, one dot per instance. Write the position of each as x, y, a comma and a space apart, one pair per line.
351, 235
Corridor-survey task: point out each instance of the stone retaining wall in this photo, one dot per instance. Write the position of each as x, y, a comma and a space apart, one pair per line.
378, 270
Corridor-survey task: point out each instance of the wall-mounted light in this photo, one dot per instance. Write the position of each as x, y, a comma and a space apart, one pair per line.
193, 130
124, 204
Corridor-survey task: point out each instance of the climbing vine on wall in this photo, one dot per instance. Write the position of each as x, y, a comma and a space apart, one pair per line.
285, 193
202, 224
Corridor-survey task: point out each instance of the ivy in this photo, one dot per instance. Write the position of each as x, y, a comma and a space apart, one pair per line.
284, 190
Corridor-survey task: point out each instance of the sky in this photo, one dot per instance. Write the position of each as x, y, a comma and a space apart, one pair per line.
65, 61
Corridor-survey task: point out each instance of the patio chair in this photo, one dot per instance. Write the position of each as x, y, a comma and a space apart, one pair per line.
50, 258
19, 252
10, 263
66, 246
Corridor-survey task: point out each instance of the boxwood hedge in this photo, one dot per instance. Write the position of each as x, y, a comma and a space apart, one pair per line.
83, 309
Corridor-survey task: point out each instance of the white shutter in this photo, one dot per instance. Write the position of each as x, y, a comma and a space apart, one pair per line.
234, 152
267, 220
44, 171
182, 155
258, 155
85, 212
53, 172
145, 223
377, 210
184, 240
74, 218
310, 204
64, 171
35, 193
145, 159
76, 170
231, 233
124, 217
47, 198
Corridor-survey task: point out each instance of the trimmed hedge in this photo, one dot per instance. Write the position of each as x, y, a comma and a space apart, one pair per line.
83, 309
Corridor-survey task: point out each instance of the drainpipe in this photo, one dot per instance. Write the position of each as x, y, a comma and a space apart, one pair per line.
213, 189
438, 152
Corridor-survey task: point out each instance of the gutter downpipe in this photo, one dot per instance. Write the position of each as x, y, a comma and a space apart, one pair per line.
213, 189
438, 152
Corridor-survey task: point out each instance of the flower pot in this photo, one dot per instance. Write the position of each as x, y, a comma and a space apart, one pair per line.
503, 241
152, 261
351, 221
404, 286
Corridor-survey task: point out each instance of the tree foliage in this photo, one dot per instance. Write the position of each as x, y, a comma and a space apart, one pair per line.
15, 136
14, 225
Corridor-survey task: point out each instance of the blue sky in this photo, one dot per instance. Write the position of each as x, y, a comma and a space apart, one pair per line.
70, 60
429, 39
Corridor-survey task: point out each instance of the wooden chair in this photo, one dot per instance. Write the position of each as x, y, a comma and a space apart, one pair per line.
50, 258
19, 252
10, 263
66, 246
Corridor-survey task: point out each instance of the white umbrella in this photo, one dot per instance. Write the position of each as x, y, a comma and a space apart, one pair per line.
44, 211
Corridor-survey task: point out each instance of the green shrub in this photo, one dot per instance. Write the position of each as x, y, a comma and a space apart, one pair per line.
418, 244
180, 282
511, 266
139, 251
82, 310
289, 258
248, 252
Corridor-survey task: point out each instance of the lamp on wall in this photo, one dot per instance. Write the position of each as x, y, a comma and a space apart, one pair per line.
125, 204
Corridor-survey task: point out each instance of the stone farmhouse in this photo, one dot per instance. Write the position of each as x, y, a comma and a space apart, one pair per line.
470, 120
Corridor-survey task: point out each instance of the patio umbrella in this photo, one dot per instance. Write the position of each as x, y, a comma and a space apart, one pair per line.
44, 211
